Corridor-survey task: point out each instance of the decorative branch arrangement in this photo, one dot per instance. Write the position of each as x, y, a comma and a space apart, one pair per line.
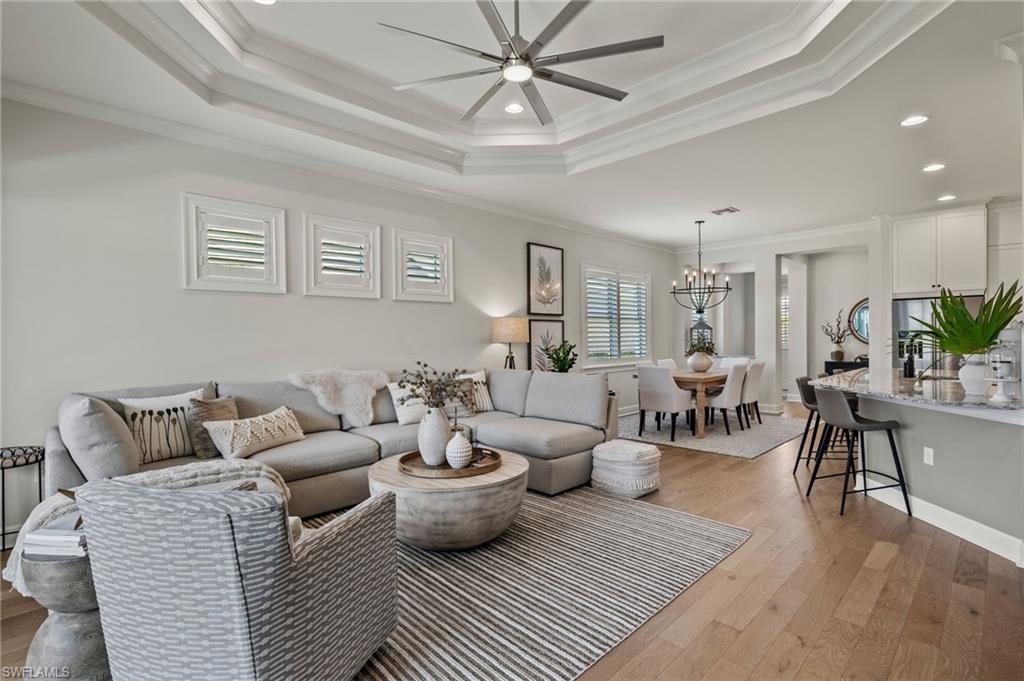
435, 388
840, 333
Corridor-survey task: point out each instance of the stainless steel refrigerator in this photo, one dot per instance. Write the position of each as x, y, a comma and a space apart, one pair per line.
903, 327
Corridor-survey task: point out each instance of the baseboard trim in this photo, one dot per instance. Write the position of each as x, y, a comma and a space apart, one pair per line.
628, 410
775, 409
989, 538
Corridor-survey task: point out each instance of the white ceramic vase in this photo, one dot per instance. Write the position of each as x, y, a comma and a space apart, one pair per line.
699, 362
972, 375
459, 451
433, 436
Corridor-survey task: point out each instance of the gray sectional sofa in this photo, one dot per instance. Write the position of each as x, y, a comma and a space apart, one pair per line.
554, 420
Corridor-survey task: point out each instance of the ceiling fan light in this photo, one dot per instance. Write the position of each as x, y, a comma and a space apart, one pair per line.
264, 2
514, 108
517, 72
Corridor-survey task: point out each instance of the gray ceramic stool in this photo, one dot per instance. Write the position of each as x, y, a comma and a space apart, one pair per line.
71, 638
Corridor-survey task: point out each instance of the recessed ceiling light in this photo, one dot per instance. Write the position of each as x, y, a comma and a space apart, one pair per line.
947, 197
264, 2
916, 119
514, 108
933, 167
517, 72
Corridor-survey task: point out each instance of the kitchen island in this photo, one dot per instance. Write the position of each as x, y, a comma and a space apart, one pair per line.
974, 485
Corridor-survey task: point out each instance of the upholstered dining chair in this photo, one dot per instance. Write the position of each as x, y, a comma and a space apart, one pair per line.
660, 394
208, 586
751, 390
729, 398
670, 363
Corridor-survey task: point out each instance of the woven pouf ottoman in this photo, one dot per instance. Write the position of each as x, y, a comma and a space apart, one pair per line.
626, 468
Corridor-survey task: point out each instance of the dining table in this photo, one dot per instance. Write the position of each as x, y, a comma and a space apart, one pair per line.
698, 382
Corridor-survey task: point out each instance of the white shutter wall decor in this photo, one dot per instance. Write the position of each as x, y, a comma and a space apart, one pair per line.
342, 257
233, 245
423, 266
615, 318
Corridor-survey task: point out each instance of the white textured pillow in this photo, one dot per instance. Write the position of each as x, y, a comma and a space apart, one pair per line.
240, 438
160, 425
481, 396
410, 412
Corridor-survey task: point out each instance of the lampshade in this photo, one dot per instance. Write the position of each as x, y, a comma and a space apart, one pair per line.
510, 330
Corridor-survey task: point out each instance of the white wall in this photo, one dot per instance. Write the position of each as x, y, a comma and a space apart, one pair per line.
737, 316
835, 281
92, 273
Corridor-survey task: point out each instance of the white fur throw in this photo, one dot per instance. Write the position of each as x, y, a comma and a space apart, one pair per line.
346, 393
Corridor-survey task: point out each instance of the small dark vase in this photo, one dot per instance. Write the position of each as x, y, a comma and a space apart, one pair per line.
837, 354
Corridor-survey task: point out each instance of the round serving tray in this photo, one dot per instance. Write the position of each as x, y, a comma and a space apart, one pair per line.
484, 461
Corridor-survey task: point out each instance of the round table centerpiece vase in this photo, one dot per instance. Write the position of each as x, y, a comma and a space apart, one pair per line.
972, 375
433, 436
459, 451
699, 362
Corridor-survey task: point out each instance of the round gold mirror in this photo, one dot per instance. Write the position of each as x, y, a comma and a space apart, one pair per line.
858, 321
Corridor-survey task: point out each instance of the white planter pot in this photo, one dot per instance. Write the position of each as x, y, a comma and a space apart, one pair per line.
699, 362
433, 436
972, 375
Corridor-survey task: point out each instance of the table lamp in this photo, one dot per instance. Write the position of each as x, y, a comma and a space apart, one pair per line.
510, 330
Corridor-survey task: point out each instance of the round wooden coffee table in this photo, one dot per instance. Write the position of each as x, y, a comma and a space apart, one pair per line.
446, 514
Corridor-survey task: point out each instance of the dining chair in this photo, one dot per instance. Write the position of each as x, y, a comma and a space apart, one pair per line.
729, 398
660, 394
751, 389
670, 363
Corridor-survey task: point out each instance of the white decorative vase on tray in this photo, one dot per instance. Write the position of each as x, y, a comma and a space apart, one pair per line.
699, 362
433, 436
459, 451
972, 375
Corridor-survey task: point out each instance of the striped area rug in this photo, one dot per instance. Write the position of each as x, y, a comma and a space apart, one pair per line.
573, 576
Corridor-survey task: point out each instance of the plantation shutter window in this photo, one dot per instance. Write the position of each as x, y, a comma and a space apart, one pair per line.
616, 315
784, 321
423, 267
233, 245
342, 257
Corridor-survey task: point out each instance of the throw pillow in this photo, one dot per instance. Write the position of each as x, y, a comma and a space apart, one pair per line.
481, 396
410, 412
98, 440
201, 411
160, 425
240, 438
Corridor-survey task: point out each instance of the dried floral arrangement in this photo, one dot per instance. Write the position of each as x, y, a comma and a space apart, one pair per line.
434, 388
841, 331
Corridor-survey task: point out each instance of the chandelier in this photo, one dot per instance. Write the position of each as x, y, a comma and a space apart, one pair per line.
701, 290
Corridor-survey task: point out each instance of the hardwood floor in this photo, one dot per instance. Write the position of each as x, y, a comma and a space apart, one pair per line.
810, 596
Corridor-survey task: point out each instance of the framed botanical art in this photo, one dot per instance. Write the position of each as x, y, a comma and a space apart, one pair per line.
544, 334
545, 274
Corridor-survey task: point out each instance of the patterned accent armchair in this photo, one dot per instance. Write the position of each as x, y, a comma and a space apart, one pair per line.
208, 585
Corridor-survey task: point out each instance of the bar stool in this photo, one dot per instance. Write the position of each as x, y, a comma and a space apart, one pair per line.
835, 411
803, 384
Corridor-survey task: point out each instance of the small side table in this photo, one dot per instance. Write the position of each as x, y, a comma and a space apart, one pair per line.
71, 637
16, 457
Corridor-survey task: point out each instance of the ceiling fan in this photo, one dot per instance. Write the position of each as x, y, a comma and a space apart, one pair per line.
521, 62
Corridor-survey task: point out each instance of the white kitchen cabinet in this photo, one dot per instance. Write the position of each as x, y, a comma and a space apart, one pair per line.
940, 250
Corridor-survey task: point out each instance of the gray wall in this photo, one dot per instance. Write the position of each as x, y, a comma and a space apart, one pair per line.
835, 281
979, 464
92, 273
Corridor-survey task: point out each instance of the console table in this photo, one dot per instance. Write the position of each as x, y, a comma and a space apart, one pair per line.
832, 366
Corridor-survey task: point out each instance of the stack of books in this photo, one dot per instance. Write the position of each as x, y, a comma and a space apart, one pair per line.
54, 543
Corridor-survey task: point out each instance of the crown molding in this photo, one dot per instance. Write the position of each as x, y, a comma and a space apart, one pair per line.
212, 50
871, 226
1011, 48
48, 99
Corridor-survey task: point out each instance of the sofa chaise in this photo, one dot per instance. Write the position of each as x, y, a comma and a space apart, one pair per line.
554, 420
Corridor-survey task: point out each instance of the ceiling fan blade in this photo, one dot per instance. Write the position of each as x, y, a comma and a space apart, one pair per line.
497, 25
491, 91
442, 79
536, 101
454, 46
560, 21
638, 45
580, 84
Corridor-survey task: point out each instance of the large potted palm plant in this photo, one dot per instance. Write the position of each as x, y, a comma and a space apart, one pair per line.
955, 331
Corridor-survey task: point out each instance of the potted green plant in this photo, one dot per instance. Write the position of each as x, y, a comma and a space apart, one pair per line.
955, 331
562, 357
698, 354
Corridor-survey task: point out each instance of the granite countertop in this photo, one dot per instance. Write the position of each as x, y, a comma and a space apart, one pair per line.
931, 391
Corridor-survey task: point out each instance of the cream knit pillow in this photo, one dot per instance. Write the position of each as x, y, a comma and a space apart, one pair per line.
240, 438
